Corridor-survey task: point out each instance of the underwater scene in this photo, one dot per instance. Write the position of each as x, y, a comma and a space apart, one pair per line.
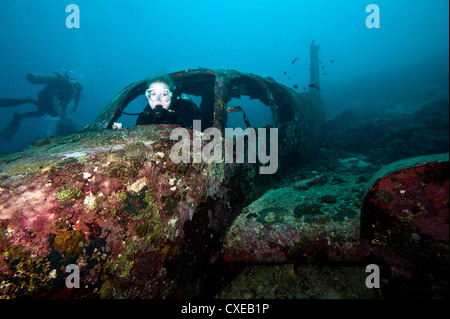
224, 150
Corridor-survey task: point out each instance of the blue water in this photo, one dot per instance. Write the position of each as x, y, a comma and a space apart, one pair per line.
119, 42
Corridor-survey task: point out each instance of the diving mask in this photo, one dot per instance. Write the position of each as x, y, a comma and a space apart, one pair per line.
159, 94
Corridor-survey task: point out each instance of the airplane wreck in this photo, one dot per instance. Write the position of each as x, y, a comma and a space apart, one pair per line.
110, 203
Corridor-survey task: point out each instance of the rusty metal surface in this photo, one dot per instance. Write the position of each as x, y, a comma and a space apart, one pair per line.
405, 223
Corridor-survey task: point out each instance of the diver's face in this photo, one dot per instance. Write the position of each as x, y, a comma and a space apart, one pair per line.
159, 94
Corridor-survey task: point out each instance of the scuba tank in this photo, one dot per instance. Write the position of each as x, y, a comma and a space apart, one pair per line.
44, 78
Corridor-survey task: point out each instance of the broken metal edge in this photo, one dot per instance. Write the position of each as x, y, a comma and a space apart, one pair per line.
403, 164
111, 111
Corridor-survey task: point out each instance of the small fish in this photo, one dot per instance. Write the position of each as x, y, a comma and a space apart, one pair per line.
323, 67
295, 86
304, 88
289, 77
293, 61
285, 72
332, 61
324, 73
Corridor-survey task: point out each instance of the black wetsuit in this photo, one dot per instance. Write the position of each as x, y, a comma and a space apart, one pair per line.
182, 112
46, 102
64, 91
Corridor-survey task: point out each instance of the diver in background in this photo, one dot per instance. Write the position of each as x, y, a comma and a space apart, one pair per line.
58, 92
165, 108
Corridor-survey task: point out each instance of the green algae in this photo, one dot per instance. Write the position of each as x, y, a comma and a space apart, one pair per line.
125, 265
271, 215
126, 163
69, 192
153, 228
117, 197
121, 170
136, 149
23, 169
